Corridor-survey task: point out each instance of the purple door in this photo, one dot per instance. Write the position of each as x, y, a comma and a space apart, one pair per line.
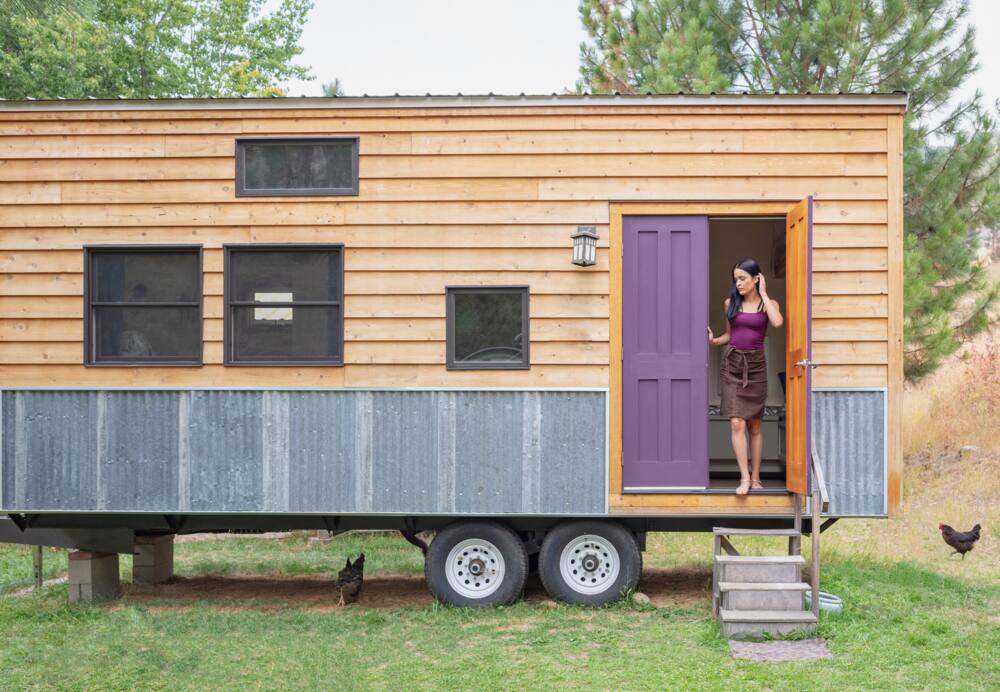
665, 352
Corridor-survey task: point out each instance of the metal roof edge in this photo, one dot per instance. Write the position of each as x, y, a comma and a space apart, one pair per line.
897, 98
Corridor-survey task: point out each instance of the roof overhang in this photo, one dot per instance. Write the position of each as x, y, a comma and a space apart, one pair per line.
898, 99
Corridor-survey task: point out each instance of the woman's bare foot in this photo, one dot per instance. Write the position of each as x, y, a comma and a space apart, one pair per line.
744, 487
755, 484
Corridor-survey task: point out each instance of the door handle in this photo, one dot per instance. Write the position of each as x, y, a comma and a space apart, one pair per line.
806, 364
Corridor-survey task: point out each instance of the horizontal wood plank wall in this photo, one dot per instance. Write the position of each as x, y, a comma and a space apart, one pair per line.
448, 196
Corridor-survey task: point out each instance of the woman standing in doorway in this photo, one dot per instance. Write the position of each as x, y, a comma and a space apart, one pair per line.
743, 368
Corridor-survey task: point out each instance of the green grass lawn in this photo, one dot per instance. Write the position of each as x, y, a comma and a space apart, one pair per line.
906, 624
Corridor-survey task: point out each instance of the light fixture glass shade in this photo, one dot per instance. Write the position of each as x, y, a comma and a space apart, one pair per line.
585, 246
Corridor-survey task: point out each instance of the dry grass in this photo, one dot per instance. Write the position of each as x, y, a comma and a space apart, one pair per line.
938, 488
959, 404
958, 407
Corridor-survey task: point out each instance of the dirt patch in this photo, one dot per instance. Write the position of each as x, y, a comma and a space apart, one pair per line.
267, 592
316, 592
676, 587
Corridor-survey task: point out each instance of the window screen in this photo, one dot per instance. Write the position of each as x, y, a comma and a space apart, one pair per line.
284, 305
487, 327
289, 167
143, 305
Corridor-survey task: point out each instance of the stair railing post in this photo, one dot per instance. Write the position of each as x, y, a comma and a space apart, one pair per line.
814, 536
717, 550
797, 501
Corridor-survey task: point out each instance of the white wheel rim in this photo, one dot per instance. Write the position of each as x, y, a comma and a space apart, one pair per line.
475, 568
589, 564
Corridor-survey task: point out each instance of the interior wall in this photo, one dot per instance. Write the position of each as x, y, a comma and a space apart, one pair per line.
731, 240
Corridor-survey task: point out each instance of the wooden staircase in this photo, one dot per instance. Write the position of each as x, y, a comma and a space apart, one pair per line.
760, 595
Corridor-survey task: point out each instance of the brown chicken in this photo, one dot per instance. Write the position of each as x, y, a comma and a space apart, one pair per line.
350, 579
961, 541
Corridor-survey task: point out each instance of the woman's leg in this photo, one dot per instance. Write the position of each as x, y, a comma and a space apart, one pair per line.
756, 450
738, 431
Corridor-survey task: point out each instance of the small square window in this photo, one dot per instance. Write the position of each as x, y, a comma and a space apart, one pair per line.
323, 166
487, 327
143, 305
284, 305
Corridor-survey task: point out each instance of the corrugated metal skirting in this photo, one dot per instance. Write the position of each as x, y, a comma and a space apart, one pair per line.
467, 452
849, 428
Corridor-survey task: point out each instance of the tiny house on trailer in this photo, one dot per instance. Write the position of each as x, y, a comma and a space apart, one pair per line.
484, 316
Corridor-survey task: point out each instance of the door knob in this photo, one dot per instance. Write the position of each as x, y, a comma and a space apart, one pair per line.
806, 364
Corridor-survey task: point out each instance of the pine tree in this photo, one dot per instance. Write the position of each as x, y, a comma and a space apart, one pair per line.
334, 88
951, 158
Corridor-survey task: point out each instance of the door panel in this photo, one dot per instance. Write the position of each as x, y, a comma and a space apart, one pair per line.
798, 295
665, 352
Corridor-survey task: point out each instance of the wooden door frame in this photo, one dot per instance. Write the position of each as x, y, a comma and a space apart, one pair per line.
618, 210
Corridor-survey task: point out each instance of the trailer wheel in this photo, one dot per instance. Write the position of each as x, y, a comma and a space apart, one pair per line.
589, 562
476, 564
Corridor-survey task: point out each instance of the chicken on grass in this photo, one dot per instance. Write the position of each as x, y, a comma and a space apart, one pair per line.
961, 541
350, 580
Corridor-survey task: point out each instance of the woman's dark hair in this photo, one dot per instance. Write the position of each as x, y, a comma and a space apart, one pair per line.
735, 299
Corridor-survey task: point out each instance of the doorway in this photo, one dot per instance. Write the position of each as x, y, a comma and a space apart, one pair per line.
664, 377
731, 240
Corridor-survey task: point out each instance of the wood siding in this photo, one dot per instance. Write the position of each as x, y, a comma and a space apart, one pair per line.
448, 196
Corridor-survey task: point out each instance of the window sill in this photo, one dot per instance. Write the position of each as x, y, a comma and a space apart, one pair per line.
147, 364
284, 364
483, 366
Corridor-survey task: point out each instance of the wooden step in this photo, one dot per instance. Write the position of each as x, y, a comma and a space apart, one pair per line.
721, 531
766, 586
760, 559
759, 569
762, 595
750, 623
767, 615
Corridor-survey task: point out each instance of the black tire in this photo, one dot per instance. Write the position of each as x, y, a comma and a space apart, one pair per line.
508, 545
598, 593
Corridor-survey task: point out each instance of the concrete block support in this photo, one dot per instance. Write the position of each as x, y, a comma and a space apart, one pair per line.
93, 576
153, 562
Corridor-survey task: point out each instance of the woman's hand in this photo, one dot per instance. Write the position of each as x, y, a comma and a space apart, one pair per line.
711, 337
761, 286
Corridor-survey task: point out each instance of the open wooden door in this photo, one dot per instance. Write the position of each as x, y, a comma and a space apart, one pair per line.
798, 364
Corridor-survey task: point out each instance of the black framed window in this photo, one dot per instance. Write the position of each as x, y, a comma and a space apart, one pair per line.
487, 327
143, 305
284, 304
315, 166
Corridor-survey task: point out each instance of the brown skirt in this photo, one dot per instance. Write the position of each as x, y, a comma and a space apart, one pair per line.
743, 383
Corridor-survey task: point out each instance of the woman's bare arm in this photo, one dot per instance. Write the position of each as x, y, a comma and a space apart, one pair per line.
773, 312
771, 307
724, 339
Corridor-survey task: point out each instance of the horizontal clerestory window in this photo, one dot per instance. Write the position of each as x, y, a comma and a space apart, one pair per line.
143, 305
487, 327
297, 167
284, 305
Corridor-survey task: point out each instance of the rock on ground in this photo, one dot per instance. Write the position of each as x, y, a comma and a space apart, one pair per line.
780, 651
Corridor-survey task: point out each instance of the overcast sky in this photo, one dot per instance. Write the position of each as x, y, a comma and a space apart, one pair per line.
479, 46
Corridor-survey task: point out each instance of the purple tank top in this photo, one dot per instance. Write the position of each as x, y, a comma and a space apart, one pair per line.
747, 330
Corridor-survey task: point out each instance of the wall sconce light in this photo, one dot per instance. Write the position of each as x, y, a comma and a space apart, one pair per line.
585, 246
